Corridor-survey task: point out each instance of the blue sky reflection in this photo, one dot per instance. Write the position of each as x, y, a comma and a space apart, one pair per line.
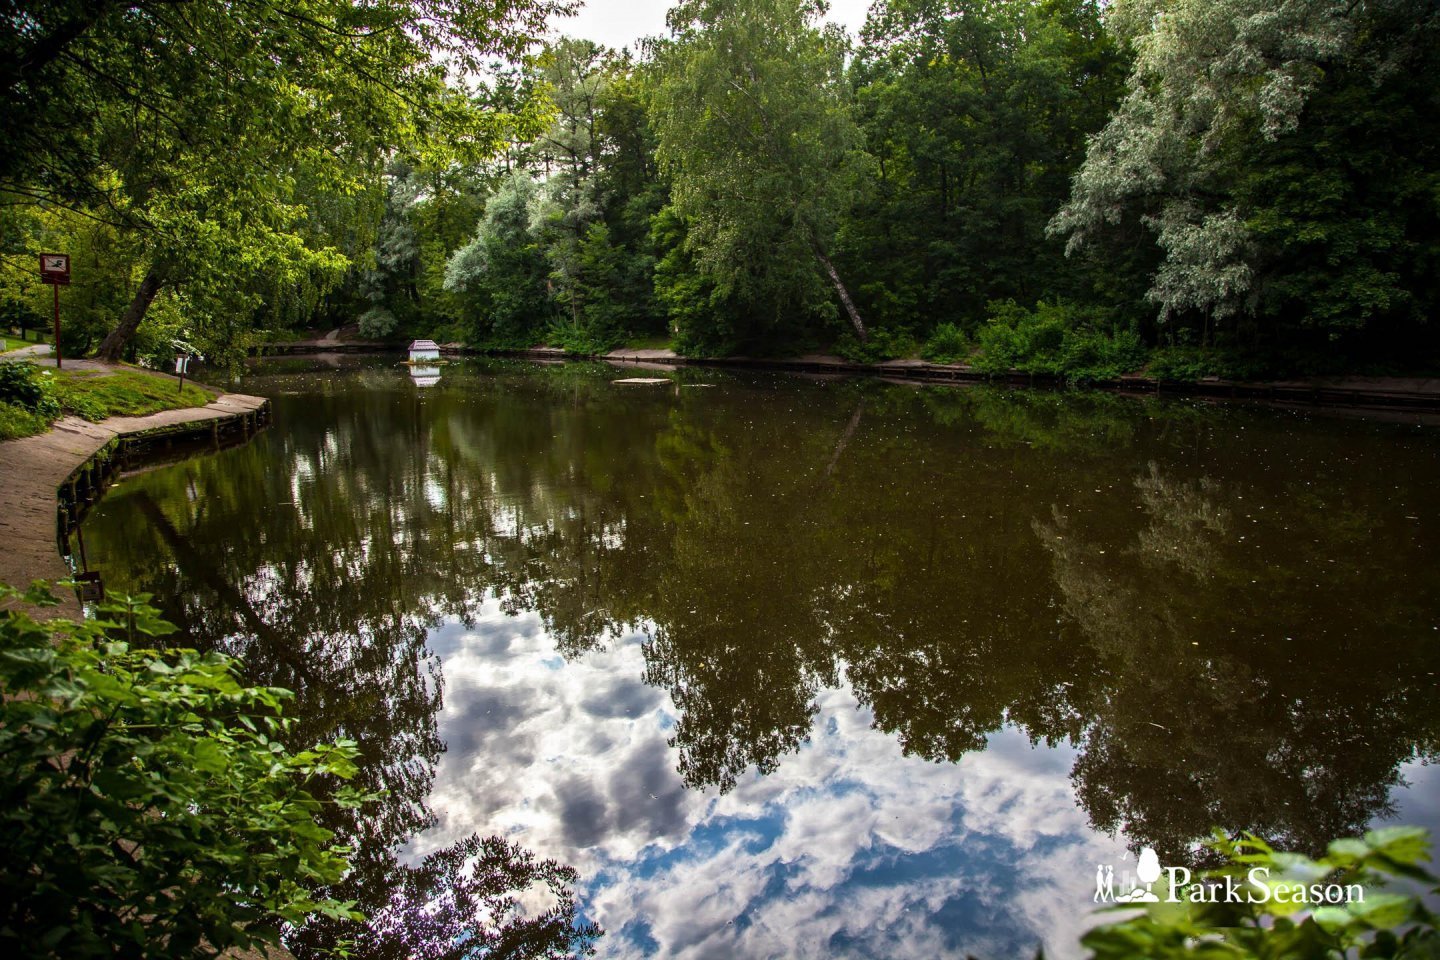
849, 849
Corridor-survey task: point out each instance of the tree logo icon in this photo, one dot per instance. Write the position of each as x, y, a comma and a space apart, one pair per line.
1147, 871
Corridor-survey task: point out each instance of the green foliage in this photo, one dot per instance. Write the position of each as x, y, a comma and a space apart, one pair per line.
976, 117
499, 277
17, 421
32, 398
1270, 176
24, 384
1383, 924
947, 344
1194, 363
28, 401
754, 127
151, 807
377, 323
882, 344
309, 99
1056, 339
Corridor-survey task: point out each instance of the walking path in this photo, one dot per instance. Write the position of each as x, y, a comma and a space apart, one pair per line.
32, 470
33, 352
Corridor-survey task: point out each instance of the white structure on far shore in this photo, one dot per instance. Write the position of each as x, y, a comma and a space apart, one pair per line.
422, 351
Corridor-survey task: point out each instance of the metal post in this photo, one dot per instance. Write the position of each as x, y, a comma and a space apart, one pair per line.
58, 359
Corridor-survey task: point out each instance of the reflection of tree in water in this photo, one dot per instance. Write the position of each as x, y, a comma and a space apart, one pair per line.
737, 638
1212, 719
433, 906
333, 594
1158, 643
1185, 523
768, 542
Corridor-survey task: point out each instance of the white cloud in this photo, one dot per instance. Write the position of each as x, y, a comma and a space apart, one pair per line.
849, 848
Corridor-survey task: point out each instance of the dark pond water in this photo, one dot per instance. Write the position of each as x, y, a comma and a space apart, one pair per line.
795, 667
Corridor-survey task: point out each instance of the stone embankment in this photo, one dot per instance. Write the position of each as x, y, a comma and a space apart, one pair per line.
46, 481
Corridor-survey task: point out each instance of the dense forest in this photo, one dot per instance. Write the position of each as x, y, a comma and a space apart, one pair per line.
1191, 187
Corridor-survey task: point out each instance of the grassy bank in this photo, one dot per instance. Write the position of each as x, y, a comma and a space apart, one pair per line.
32, 398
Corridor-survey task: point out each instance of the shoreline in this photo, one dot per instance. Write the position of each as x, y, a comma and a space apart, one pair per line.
1412, 393
51, 478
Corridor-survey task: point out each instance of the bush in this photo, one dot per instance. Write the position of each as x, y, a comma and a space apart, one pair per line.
882, 344
151, 808
1194, 363
25, 385
1056, 339
580, 340
947, 344
377, 323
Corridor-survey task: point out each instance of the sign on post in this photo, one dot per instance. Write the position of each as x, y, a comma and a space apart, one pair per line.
55, 270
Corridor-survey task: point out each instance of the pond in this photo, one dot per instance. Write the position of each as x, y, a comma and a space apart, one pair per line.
790, 666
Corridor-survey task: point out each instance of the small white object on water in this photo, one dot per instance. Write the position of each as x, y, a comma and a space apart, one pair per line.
422, 350
643, 380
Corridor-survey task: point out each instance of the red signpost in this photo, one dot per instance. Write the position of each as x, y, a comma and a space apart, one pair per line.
55, 270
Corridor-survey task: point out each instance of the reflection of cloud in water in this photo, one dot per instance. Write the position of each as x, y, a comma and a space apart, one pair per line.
850, 848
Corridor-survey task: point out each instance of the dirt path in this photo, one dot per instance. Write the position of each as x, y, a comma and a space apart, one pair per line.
32, 469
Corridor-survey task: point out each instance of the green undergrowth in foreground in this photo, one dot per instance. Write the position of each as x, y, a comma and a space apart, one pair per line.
150, 807
31, 398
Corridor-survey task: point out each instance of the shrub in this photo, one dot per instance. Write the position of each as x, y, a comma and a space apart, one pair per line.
882, 344
16, 421
947, 344
1056, 339
151, 808
378, 323
579, 339
1193, 363
25, 385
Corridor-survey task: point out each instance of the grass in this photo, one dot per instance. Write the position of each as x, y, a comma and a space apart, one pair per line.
127, 393
9, 341
95, 396
16, 421
657, 341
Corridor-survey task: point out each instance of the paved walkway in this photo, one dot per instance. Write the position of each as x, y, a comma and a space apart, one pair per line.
32, 352
33, 468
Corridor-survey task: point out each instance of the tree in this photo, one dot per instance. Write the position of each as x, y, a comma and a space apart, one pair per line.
754, 128
976, 114
1247, 145
211, 128
500, 274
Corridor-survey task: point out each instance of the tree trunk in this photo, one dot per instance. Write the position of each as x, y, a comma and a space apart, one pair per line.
854, 314
845, 437
50, 46
114, 343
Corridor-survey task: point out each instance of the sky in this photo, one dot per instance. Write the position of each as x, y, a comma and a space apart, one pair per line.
849, 849
619, 23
